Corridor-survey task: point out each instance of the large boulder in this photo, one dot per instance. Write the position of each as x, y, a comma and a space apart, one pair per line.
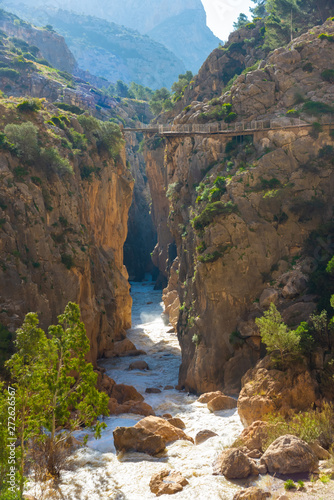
208, 396
138, 439
222, 403
123, 393
252, 494
234, 464
177, 422
266, 390
136, 407
203, 436
255, 435
139, 365
161, 427
289, 455
167, 482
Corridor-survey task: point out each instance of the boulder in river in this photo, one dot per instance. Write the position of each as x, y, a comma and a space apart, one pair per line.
203, 436
222, 403
234, 464
138, 439
139, 365
289, 455
123, 393
252, 494
177, 422
152, 390
136, 407
167, 482
208, 396
255, 435
161, 427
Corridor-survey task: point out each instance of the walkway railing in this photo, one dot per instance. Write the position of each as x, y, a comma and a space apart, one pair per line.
227, 128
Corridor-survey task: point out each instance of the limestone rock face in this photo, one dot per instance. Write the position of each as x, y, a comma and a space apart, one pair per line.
266, 390
162, 428
62, 240
234, 464
289, 455
167, 482
138, 439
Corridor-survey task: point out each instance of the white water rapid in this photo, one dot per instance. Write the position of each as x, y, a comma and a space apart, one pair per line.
95, 472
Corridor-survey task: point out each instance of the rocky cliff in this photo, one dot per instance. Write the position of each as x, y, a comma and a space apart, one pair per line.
63, 224
242, 207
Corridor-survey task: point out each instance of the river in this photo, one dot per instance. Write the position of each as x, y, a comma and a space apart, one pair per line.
96, 473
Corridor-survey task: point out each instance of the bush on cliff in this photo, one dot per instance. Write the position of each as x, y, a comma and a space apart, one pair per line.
276, 335
108, 135
24, 138
211, 211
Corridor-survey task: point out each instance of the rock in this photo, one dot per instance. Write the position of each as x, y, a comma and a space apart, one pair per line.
266, 390
252, 494
168, 387
268, 296
139, 365
255, 435
123, 393
319, 451
138, 439
105, 383
234, 464
122, 347
203, 436
152, 390
136, 407
177, 422
205, 398
296, 284
167, 482
289, 455
167, 416
222, 403
297, 313
162, 428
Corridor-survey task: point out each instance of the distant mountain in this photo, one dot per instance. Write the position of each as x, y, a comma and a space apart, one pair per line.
180, 25
106, 49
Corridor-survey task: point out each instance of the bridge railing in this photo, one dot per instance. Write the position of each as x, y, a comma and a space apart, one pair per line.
217, 127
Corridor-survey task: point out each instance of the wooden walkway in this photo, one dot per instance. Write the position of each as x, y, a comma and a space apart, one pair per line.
230, 130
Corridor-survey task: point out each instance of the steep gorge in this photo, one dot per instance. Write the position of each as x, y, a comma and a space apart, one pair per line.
241, 209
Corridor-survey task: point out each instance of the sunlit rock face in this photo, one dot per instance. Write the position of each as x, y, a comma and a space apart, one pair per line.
277, 190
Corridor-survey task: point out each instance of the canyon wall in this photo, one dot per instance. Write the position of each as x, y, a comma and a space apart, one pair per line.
241, 208
62, 234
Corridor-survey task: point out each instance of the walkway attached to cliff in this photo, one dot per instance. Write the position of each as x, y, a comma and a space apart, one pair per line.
230, 130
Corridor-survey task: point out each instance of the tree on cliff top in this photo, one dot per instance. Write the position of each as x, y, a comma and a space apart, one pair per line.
55, 386
276, 335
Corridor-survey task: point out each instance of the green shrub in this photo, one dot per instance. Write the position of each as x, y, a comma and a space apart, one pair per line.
289, 485
69, 107
211, 211
196, 339
292, 112
210, 257
328, 75
108, 135
231, 117
317, 108
86, 172
324, 36
6, 346
202, 247
29, 105
10, 73
67, 260
36, 180
308, 67
20, 172
78, 140
276, 335
51, 159
24, 138
44, 62
316, 129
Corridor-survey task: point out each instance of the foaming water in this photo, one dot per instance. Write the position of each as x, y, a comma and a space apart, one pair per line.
95, 472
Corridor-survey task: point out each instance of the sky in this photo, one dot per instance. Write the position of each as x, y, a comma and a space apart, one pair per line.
221, 14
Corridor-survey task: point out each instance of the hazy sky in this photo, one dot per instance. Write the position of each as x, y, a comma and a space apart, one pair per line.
222, 13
